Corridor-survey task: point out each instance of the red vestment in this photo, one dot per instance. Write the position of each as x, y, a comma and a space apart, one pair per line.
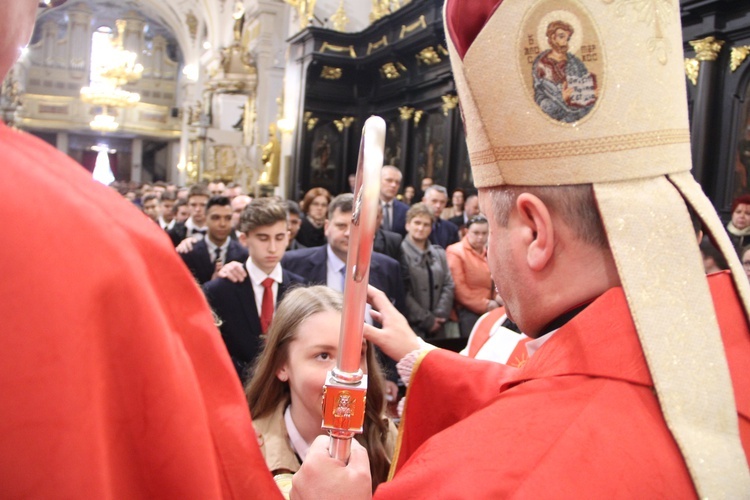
115, 380
579, 419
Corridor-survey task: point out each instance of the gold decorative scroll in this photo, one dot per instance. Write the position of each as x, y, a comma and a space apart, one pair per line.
419, 23
707, 49
305, 10
347, 121
343, 123
192, 24
383, 42
418, 117
406, 112
428, 56
338, 49
331, 73
738, 56
339, 18
309, 120
692, 69
391, 70
442, 50
450, 102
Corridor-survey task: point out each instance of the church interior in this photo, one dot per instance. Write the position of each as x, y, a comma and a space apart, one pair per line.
272, 94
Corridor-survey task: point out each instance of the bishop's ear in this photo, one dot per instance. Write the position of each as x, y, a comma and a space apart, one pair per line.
535, 217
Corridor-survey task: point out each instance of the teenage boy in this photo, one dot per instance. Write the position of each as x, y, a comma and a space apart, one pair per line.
209, 255
246, 308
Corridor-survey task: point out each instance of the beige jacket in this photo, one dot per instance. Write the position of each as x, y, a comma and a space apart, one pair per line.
276, 448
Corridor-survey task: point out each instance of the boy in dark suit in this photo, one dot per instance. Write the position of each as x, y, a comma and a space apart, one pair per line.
246, 308
208, 255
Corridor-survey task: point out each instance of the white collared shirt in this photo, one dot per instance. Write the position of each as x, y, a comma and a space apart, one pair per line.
164, 224
299, 445
190, 225
212, 250
257, 277
334, 265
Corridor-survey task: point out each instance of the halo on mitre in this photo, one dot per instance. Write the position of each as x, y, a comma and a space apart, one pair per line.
574, 44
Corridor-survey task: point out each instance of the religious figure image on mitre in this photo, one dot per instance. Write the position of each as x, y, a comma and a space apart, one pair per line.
564, 88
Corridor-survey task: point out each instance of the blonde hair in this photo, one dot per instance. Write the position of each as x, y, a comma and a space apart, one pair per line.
265, 391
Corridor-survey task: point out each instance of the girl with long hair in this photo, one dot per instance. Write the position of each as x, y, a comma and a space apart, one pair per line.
286, 388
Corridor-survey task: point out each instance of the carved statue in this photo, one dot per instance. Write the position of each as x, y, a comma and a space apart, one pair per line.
239, 20
270, 157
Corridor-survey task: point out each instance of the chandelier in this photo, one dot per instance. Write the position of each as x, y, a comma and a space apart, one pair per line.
104, 94
104, 122
119, 67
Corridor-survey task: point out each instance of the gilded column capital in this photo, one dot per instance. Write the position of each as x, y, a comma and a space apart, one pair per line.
405, 112
738, 56
707, 49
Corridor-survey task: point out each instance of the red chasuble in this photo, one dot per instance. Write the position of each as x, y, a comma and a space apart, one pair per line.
115, 381
578, 420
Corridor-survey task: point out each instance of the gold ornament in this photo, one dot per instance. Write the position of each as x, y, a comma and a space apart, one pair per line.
707, 49
737, 56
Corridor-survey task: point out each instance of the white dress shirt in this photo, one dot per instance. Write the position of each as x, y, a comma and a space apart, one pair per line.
257, 277
190, 225
212, 250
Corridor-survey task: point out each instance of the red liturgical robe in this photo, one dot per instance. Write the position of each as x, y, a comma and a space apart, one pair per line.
115, 381
579, 420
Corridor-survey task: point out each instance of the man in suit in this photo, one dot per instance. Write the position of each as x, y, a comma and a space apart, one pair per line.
246, 308
167, 216
471, 210
327, 264
238, 204
386, 242
295, 222
195, 226
444, 233
208, 255
394, 211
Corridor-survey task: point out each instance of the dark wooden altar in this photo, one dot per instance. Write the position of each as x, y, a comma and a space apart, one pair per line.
719, 100
397, 68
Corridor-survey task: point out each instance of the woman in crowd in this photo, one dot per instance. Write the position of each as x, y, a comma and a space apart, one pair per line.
408, 196
286, 388
315, 206
739, 227
429, 285
467, 260
456, 206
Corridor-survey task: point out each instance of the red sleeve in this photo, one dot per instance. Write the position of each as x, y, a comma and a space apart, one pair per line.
115, 380
430, 406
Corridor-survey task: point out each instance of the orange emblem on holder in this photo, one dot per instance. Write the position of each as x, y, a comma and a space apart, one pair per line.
344, 407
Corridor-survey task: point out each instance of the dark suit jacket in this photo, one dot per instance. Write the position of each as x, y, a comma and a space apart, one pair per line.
385, 275
387, 243
234, 304
458, 221
199, 261
399, 217
177, 233
312, 265
444, 233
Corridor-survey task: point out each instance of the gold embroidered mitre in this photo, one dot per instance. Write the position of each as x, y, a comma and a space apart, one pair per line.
557, 92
